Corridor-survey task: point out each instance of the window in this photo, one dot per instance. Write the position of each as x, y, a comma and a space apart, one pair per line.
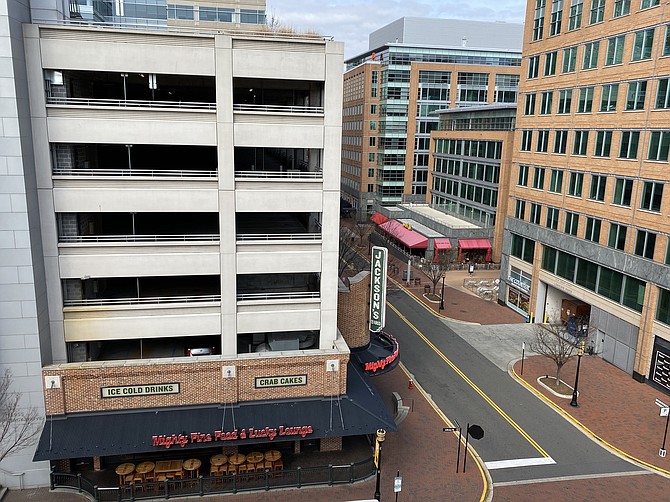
373, 125
587, 274
526, 140
560, 141
569, 59
373, 141
545, 103
608, 97
180, 11
621, 7
373, 109
580, 143
592, 232
371, 187
535, 213
550, 63
522, 180
645, 4
615, 47
658, 145
371, 172
538, 20
556, 17
538, 178
575, 184
663, 94
585, 103
571, 223
610, 283
564, 101
523, 249
371, 157
591, 55
629, 142
652, 193
543, 140
644, 40
617, 236
623, 190
575, 21
597, 11
645, 242
556, 181
552, 218
533, 66
529, 105
635, 96
598, 184
666, 45
603, 144
520, 210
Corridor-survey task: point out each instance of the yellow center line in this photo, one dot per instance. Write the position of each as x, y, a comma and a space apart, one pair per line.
472, 384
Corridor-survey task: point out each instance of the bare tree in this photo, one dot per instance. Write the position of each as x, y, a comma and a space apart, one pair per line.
554, 342
18, 425
361, 229
349, 257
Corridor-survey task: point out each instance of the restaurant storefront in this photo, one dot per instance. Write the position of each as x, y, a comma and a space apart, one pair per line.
518, 291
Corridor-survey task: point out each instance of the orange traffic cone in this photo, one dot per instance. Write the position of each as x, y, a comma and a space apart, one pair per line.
411, 384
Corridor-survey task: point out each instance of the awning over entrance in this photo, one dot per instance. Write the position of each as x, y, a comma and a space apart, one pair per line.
410, 238
467, 244
378, 218
360, 411
442, 244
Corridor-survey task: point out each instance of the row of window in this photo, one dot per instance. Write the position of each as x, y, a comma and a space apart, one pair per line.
466, 191
629, 141
215, 14
458, 207
595, 14
602, 280
636, 93
651, 198
469, 148
642, 49
645, 240
489, 173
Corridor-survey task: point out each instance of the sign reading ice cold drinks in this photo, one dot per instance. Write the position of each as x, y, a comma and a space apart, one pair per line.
140, 390
378, 288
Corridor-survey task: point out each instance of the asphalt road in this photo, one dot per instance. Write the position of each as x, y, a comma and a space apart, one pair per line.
469, 388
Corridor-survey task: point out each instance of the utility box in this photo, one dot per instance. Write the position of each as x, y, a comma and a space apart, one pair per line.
574, 308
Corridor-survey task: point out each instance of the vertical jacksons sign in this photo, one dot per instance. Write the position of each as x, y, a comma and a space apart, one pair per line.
378, 288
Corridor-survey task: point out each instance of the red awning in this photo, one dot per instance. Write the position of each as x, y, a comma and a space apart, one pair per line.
410, 238
474, 244
378, 218
442, 244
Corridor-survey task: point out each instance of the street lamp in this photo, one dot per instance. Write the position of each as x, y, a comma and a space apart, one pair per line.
442, 297
579, 360
381, 435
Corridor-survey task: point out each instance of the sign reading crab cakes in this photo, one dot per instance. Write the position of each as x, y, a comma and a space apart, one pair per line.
280, 381
140, 390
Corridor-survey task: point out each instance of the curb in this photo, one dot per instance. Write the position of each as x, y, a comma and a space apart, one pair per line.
487, 493
583, 428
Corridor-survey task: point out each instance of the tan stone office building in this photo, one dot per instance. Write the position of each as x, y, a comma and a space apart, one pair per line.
587, 220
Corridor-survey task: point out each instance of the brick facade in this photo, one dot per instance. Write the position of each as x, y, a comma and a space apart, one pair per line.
330, 444
352, 311
200, 382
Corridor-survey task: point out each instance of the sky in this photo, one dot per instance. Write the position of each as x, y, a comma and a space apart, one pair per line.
351, 21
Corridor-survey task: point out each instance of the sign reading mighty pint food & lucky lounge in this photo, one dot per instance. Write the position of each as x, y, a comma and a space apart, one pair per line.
378, 288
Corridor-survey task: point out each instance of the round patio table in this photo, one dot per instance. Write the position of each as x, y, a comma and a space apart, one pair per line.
192, 465
254, 457
237, 458
144, 468
272, 455
218, 460
124, 470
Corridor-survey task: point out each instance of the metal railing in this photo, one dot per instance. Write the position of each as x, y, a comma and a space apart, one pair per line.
291, 173
125, 172
269, 480
278, 108
160, 300
289, 295
141, 301
138, 238
278, 237
131, 103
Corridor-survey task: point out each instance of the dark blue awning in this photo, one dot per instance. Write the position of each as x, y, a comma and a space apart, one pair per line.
361, 411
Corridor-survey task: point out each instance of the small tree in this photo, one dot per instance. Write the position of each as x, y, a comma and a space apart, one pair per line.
554, 342
349, 258
18, 425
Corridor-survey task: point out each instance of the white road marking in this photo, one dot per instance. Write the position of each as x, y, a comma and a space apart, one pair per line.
519, 462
